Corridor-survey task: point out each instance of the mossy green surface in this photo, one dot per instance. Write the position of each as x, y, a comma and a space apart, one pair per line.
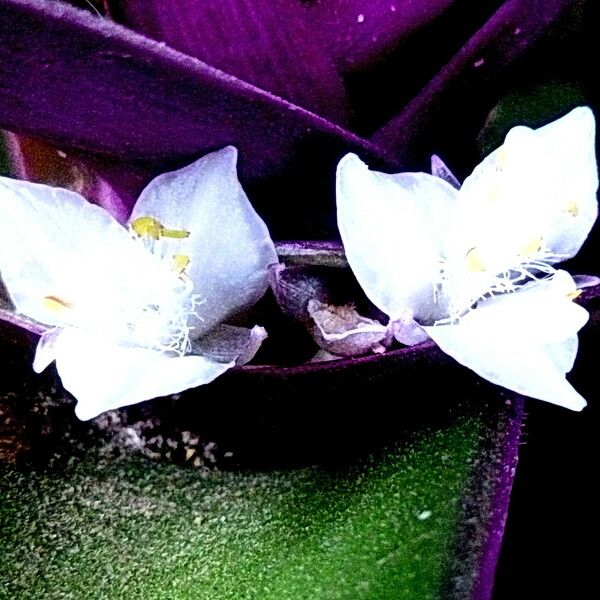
382, 528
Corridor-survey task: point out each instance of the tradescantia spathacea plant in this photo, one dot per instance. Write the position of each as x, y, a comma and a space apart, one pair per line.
303, 84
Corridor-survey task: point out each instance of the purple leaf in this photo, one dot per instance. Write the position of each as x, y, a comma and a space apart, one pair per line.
359, 32
265, 42
84, 83
470, 76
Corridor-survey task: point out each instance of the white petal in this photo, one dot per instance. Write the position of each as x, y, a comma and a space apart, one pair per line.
66, 261
393, 227
103, 376
567, 161
227, 343
525, 341
229, 245
539, 185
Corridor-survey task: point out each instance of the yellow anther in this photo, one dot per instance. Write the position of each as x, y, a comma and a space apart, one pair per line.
180, 263
178, 234
153, 228
531, 248
574, 294
572, 209
55, 304
474, 261
147, 227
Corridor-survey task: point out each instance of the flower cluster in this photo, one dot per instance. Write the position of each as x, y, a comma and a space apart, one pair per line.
138, 311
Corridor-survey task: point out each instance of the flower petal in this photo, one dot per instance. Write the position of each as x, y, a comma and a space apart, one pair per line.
539, 185
525, 341
65, 261
392, 227
103, 376
227, 343
229, 245
566, 164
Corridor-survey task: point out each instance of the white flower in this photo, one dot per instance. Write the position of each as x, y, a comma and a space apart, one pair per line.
137, 312
443, 262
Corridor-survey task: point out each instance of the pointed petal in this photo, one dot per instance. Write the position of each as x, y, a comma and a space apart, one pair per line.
229, 245
227, 343
525, 341
64, 260
539, 185
566, 165
103, 376
392, 227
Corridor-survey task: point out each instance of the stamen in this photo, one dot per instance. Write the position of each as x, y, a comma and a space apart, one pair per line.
177, 234
153, 228
572, 209
56, 304
574, 294
147, 227
180, 263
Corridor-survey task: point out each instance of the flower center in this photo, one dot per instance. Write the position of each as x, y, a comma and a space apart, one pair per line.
149, 227
164, 323
488, 270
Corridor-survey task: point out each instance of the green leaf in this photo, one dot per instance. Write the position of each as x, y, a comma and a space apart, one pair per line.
413, 518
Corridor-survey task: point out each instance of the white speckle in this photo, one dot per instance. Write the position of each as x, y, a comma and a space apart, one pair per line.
518, 31
61, 153
424, 515
360, 19
393, 8
479, 62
